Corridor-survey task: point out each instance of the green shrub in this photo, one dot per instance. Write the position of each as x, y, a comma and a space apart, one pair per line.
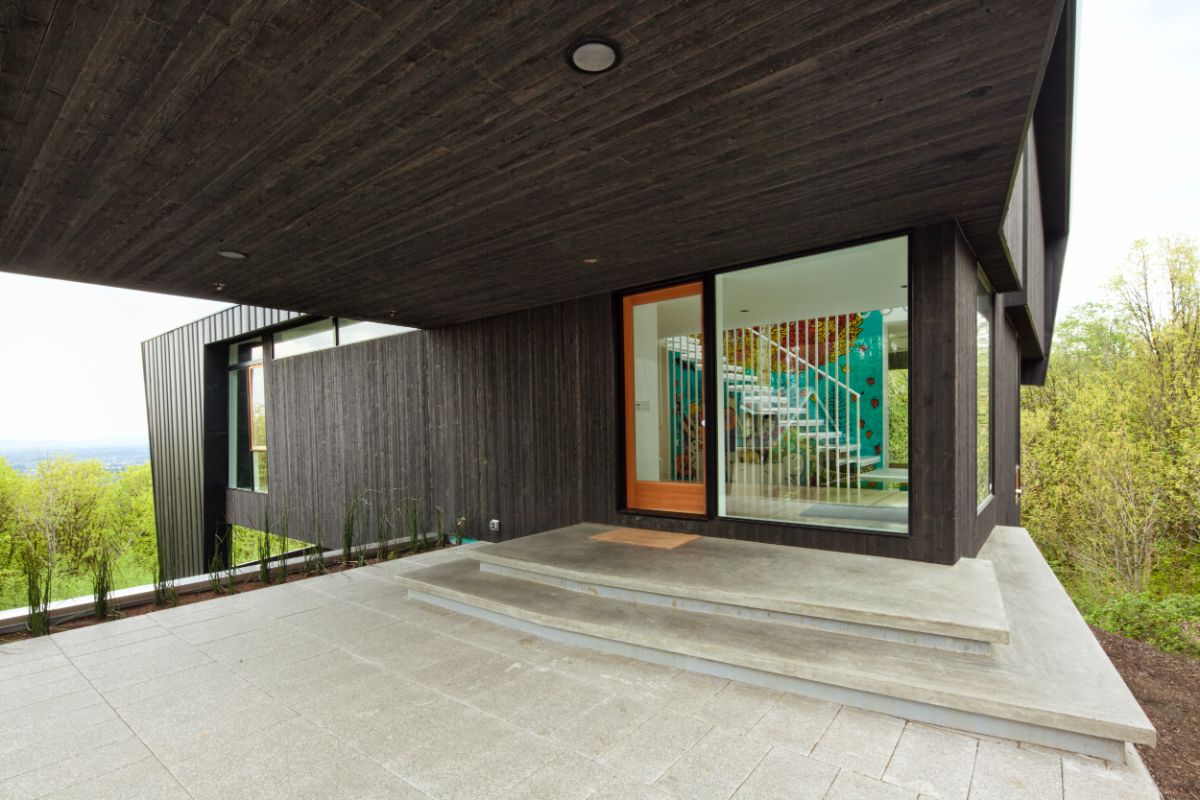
102, 585
264, 550
1171, 623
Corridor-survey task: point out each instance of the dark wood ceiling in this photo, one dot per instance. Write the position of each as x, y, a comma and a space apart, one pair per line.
435, 161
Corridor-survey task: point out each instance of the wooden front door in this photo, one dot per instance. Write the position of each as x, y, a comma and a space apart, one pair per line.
664, 400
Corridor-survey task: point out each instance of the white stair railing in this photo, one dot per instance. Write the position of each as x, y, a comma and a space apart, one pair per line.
830, 390
835, 429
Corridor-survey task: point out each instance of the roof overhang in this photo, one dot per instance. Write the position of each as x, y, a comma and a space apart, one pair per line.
1053, 122
433, 163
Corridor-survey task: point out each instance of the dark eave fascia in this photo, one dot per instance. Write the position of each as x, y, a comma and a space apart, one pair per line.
1053, 130
1051, 119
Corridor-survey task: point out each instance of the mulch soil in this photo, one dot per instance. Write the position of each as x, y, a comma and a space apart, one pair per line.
1168, 687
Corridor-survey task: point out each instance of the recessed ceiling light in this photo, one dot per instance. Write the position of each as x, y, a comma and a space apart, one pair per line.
591, 260
593, 54
231, 254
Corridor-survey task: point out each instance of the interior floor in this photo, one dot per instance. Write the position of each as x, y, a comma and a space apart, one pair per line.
749, 497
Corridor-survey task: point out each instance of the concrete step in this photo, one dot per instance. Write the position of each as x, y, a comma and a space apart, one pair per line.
1051, 686
901, 601
859, 461
803, 422
772, 405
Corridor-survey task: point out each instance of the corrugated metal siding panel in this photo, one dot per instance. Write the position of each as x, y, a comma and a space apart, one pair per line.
173, 370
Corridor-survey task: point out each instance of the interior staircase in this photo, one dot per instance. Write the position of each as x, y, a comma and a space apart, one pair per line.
779, 409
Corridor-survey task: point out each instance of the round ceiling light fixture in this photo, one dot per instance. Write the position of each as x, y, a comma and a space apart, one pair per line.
231, 254
593, 54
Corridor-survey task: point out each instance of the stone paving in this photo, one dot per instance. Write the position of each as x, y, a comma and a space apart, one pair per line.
342, 687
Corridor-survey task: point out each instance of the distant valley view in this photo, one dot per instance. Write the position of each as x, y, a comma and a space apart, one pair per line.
25, 456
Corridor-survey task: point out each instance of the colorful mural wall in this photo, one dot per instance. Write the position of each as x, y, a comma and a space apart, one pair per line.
849, 349
685, 388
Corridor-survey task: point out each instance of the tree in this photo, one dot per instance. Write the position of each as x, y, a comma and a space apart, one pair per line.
72, 521
10, 488
1111, 443
55, 521
124, 523
127, 515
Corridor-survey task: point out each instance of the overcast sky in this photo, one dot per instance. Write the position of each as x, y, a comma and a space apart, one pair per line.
70, 352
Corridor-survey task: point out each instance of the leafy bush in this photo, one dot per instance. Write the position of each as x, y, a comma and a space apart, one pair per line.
82, 529
1171, 623
1110, 451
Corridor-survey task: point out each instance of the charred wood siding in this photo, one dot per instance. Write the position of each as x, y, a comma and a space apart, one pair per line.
246, 508
942, 393
246, 122
1035, 246
346, 422
1025, 239
185, 425
516, 418
511, 418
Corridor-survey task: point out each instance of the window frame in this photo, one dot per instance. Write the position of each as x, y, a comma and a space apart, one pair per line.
235, 367
309, 322
983, 288
708, 279
250, 370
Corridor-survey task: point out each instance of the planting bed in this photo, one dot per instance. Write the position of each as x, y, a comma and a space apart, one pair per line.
1168, 687
244, 584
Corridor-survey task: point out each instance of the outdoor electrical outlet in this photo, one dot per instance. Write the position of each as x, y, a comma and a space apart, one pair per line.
494, 526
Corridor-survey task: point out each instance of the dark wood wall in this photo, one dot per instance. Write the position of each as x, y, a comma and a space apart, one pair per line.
348, 422
179, 379
1024, 238
247, 507
141, 137
507, 418
516, 418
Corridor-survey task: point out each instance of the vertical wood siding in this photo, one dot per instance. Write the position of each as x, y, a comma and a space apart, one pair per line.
942, 393
516, 418
1035, 245
1024, 235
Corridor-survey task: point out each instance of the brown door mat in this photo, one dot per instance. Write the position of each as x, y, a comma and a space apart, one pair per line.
657, 539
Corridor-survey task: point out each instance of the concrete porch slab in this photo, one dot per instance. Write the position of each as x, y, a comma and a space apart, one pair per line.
1051, 685
366, 722
962, 602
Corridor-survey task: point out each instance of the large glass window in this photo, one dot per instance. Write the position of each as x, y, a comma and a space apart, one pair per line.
303, 339
352, 330
813, 389
983, 393
247, 417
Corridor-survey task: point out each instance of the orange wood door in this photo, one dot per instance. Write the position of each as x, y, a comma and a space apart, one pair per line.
665, 437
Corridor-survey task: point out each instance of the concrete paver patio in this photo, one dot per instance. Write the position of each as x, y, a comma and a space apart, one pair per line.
342, 687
